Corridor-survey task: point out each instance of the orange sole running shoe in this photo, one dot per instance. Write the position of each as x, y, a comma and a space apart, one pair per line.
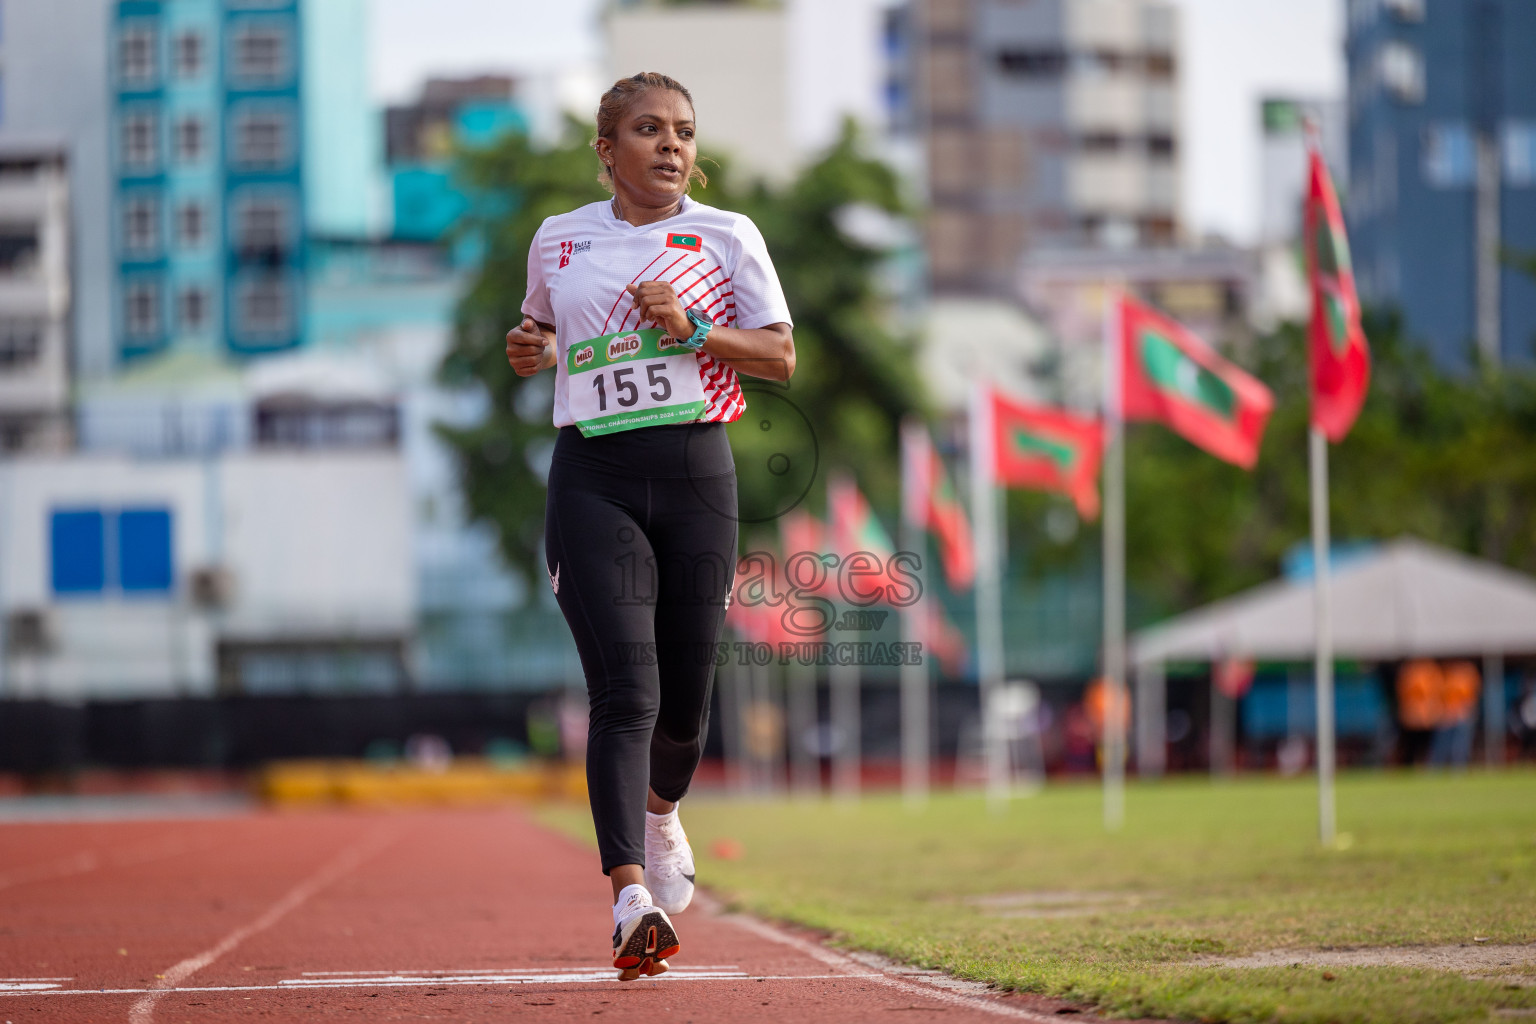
642, 942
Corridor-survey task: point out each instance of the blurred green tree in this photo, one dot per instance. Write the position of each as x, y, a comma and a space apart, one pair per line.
854, 378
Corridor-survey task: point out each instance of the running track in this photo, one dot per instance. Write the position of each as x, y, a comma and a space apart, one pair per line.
475, 915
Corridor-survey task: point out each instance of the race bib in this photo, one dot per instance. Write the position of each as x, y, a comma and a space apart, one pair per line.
632, 379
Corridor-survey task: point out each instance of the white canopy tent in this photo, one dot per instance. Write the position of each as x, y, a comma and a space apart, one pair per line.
1406, 599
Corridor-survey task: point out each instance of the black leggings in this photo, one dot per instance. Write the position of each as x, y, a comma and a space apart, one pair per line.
640, 544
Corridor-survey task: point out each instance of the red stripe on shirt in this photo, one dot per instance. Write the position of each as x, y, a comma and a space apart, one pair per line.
684, 274
632, 280
723, 282
673, 282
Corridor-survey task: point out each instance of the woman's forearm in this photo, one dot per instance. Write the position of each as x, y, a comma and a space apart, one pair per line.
767, 352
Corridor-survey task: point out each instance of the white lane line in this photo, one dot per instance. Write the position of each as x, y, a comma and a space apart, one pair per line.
912, 984
674, 976
476, 970
30, 984
143, 1011
604, 974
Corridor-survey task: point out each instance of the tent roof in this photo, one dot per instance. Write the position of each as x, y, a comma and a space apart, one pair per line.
1406, 599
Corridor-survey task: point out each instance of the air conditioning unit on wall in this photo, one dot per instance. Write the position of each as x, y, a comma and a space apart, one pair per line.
212, 587
30, 631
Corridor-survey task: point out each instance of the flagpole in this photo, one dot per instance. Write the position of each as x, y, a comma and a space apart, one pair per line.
989, 599
1114, 570
843, 683
915, 700
1323, 663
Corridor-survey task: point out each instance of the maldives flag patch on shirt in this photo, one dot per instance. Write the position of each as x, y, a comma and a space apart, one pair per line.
692, 243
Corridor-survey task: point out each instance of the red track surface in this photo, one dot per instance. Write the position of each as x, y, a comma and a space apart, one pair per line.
454, 915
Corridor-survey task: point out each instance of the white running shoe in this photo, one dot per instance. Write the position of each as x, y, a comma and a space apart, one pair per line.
643, 936
669, 869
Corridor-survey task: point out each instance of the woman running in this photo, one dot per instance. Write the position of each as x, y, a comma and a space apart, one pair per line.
647, 305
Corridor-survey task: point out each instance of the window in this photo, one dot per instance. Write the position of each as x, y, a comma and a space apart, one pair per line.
1100, 142
78, 545
1520, 153
1450, 155
18, 249
141, 226
191, 225
1400, 68
264, 306
313, 424
261, 139
93, 549
189, 136
136, 56
140, 152
1095, 63
144, 550
262, 224
21, 342
192, 308
1033, 63
187, 54
141, 309
260, 54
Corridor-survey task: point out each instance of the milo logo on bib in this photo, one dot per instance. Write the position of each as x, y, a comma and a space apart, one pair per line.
626, 345
634, 379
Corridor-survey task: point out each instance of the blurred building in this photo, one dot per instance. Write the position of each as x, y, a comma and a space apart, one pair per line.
381, 318
265, 570
207, 140
421, 138
1047, 124
236, 513
1442, 169
778, 94
35, 234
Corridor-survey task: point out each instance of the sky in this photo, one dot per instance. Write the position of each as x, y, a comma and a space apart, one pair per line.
1235, 51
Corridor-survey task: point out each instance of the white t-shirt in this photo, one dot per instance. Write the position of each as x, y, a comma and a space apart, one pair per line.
581, 262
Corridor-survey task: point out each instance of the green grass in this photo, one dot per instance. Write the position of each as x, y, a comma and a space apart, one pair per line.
1200, 868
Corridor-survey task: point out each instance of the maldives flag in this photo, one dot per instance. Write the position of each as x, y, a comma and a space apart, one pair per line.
854, 526
929, 502
854, 529
1169, 375
1046, 450
803, 537
1341, 359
